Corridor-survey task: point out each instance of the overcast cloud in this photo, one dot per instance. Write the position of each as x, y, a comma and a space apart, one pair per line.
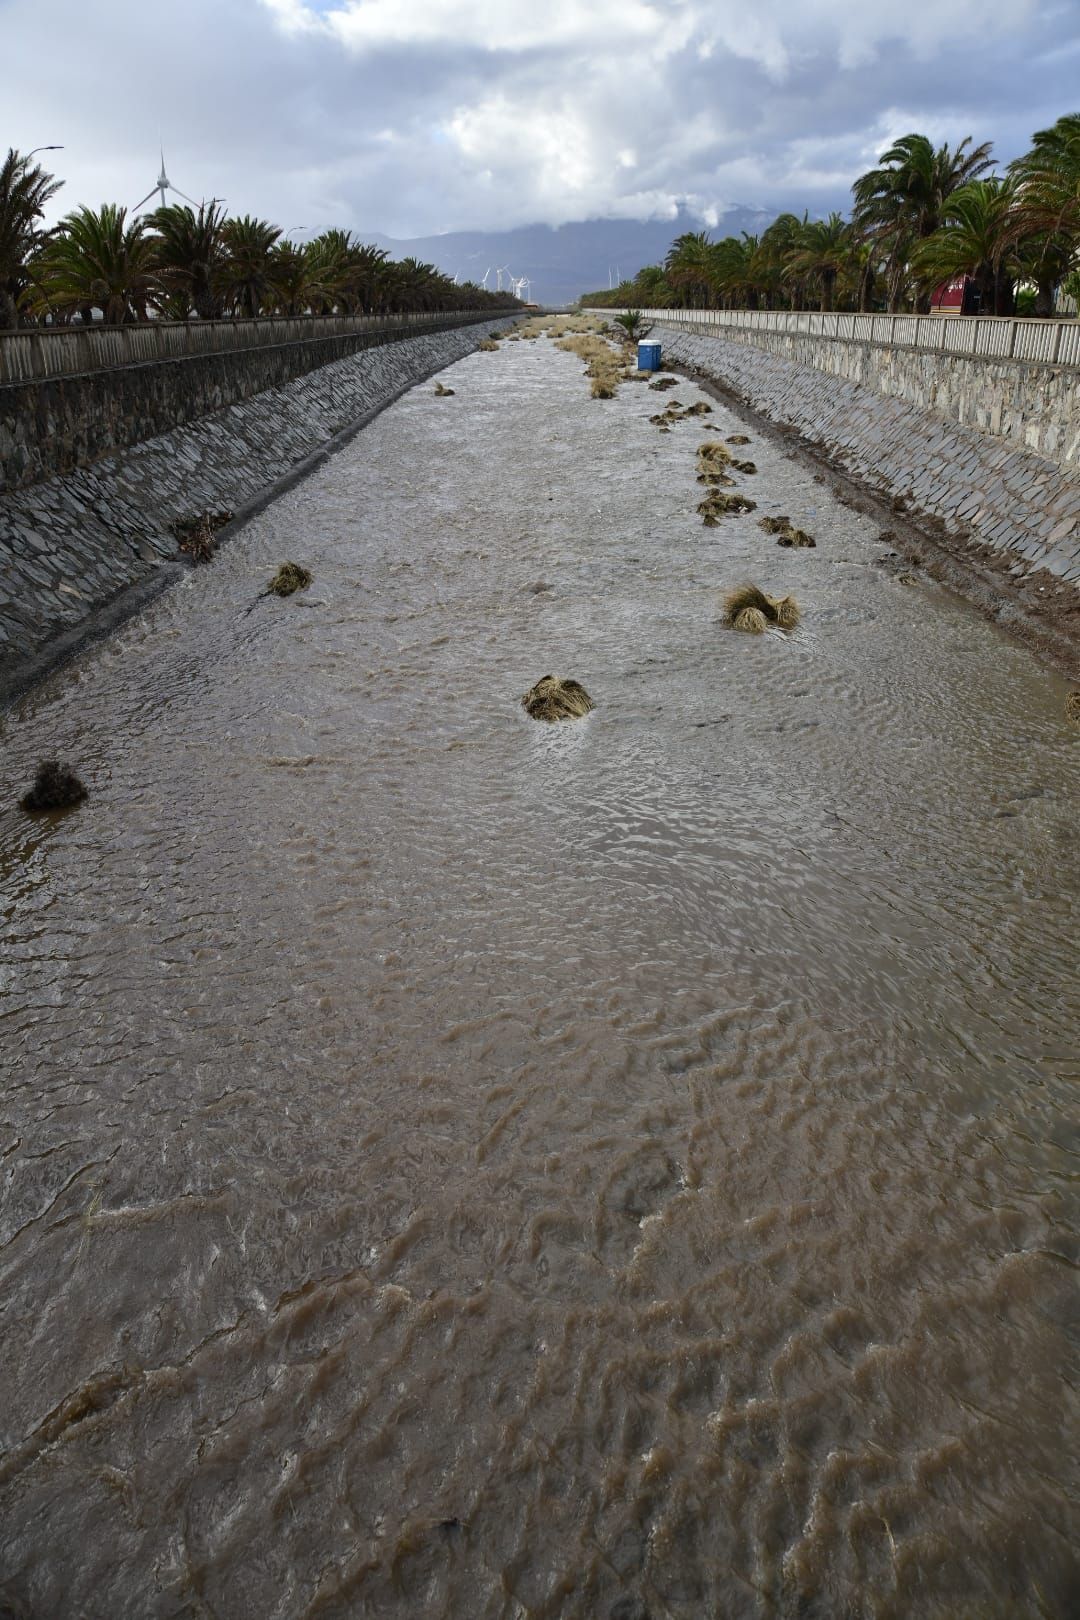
414, 116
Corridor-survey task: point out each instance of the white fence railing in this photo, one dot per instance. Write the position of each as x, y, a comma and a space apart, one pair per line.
36, 353
994, 337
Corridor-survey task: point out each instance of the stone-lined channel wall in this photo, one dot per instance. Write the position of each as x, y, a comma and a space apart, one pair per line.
58, 419
987, 488
1018, 380
74, 544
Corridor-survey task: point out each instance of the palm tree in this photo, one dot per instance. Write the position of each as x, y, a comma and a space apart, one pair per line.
1048, 205
96, 259
24, 191
688, 266
288, 273
974, 239
244, 277
191, 253
821, 249
777, 245
900, 203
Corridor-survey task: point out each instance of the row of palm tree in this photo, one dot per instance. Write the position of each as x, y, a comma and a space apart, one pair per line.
178, 261
921, 217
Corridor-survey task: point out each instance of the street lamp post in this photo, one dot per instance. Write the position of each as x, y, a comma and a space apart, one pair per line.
37, 149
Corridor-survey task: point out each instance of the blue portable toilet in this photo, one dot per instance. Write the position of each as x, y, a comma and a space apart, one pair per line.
648, 356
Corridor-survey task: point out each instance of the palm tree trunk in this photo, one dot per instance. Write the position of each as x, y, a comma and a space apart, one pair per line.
1044, 298
9, 313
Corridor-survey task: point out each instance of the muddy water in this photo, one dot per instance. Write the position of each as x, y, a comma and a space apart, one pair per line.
454, 1166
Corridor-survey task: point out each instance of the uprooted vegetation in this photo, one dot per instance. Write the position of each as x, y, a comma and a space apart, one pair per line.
290, 577
786, 532
738, 438
554, 699
56, 787
1072, 706
717, 505
196, 536
676, 411
750, 609
441, 392
663, 383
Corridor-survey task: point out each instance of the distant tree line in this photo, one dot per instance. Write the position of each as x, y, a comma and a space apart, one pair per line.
177, 262
923, 216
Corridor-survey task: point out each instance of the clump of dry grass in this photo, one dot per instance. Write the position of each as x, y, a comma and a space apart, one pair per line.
196, 535
487, 345
717, 505
56, 787
441, 392
738, 438
700, 407
753, 610
662, 383
788, 534
1072, 706
603, 362
555, 699
290, 577
744, 466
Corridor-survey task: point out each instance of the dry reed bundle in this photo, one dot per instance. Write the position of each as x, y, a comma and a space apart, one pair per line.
290, 577
487, 345
738, 438
56, 787
1072, 706
788, 534
553, 699
441, 392
717, 505
753, 610
744, 466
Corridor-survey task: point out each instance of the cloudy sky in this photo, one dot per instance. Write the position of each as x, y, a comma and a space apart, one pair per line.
409, 117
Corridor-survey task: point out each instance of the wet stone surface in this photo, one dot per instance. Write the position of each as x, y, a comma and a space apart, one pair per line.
456, 1166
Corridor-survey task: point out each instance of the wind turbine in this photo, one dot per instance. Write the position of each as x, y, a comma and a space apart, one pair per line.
501, 270
487, 273
163, 185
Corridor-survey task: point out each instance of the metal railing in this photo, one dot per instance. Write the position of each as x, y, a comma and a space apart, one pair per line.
37, 353
991, 337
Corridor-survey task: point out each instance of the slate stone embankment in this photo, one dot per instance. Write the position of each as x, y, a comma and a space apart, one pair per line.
71, 546
977, 485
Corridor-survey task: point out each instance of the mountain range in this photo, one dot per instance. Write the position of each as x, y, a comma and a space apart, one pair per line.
562, 261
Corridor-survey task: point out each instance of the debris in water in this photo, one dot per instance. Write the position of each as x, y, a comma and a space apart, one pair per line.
56, 787
744, 466
441, 392
664, 382
195, 535
789, 535
1072, 706
738, 438
487, 344
555, 699
701, 408
717, 505
290, 577
750, 608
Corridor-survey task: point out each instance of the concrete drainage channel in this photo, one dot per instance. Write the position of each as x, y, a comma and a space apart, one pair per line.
81, 552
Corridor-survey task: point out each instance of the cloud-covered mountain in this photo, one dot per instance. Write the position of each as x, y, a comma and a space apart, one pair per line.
564, 261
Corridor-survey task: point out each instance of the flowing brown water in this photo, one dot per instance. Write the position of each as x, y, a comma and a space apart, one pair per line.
456, 1166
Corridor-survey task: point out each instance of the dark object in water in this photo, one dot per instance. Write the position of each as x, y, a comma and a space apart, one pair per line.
1072, 706
749, 608
744, 466
555, 699
664, 382
788, 534
441, 392
738, 438
195, 535
56, 787
290, 577
717, 505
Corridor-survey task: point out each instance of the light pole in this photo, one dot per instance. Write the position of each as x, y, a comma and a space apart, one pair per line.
37, 149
